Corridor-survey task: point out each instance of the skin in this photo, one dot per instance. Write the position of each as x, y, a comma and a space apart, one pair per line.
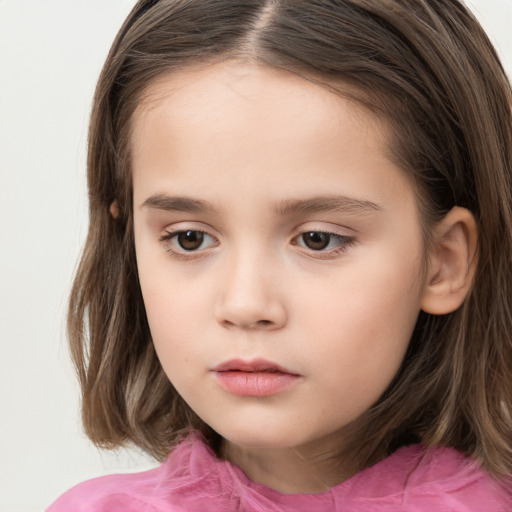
248, 142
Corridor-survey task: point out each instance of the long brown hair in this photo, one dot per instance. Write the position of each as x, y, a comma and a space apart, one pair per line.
430, 70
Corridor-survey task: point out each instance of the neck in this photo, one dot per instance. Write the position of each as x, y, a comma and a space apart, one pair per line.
305, 469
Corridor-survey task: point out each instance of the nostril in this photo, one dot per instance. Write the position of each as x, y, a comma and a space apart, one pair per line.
263, 323
259, 324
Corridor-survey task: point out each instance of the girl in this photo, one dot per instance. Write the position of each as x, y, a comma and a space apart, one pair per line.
296, 288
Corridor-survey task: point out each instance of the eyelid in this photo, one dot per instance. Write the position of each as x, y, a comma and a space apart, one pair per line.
183, 226
324, 227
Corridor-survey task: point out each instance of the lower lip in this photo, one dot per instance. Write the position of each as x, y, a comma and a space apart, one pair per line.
255, 383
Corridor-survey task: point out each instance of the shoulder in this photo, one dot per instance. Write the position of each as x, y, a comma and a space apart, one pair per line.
113, 493
460, 481
440, 478
156, 490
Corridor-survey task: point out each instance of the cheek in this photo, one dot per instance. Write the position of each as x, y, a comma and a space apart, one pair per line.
172, 326
173, 313
362, 322
172, 297
164, 301
372, 294
176, 307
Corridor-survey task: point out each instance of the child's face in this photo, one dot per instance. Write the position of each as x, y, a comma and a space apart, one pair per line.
272, 232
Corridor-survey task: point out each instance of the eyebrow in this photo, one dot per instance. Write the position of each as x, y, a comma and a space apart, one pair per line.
340, 204
177, 203
284, 208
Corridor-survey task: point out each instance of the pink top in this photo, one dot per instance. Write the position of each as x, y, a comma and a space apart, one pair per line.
193, 479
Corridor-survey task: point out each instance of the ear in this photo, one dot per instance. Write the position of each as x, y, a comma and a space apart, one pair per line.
114, 209
452, 262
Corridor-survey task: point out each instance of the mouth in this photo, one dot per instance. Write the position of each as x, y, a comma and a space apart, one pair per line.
257, 378
255, 366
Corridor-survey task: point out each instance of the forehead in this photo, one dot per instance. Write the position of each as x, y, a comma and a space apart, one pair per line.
255, 128
210, 94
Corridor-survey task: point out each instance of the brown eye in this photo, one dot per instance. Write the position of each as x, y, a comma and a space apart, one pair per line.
188, 243
190, 240
316, 240
322, 244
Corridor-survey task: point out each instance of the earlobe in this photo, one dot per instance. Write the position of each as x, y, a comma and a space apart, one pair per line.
114, 209
452, 262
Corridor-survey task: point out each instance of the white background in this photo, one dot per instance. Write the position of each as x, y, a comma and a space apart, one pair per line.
51, 53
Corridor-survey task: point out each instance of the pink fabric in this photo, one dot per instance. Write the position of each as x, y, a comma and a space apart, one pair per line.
192, 479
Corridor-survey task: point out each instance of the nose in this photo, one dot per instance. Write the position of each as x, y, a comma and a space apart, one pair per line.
251, 297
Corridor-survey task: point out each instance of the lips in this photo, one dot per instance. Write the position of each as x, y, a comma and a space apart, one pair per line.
256, 378
256, 365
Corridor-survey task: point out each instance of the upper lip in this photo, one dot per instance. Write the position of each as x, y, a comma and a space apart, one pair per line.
254, 365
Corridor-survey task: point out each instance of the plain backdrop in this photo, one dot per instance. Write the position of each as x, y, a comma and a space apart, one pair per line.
51, 53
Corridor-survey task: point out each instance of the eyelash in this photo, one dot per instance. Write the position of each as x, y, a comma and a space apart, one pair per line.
168, 238
343, 243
